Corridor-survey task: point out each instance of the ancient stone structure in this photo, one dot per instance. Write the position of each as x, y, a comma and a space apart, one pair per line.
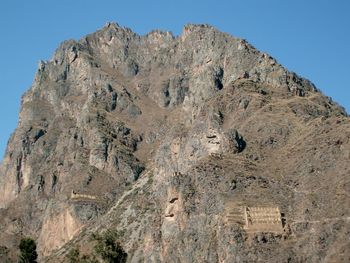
256, 219
175, 174
263, 219
77, 196
237, 215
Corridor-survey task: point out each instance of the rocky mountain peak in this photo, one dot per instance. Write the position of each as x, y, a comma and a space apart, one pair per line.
197, 148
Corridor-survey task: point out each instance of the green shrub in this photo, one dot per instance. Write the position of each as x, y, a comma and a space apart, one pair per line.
109, 248
27, 248
74, 257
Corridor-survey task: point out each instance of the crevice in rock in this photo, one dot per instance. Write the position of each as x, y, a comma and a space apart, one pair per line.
41, 183
54, 183
38, 134
173, 200
219, 75
19, 174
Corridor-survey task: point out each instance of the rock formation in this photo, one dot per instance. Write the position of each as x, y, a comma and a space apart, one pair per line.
156, 136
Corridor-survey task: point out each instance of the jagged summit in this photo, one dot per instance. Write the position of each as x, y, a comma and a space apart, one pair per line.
197, 148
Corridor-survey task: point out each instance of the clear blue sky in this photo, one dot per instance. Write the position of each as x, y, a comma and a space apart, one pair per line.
310, 37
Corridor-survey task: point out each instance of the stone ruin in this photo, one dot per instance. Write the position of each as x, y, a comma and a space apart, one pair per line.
255, 219
77, 196
176, 174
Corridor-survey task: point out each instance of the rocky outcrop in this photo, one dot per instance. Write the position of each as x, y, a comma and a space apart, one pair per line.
155, 136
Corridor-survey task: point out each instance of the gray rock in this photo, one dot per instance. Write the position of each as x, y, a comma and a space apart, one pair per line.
158, 137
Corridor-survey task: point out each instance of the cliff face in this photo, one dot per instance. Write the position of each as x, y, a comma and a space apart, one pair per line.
199, 148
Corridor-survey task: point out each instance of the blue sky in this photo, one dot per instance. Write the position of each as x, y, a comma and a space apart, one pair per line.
310, 37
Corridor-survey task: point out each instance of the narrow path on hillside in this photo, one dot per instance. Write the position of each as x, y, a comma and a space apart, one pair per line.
321, 221
139, 183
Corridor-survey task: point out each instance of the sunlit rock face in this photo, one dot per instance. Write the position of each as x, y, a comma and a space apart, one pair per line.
165, 139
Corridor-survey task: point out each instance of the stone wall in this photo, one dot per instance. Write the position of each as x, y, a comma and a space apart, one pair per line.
255, 219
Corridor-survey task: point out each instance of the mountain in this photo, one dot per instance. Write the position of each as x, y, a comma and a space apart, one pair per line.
196, 148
